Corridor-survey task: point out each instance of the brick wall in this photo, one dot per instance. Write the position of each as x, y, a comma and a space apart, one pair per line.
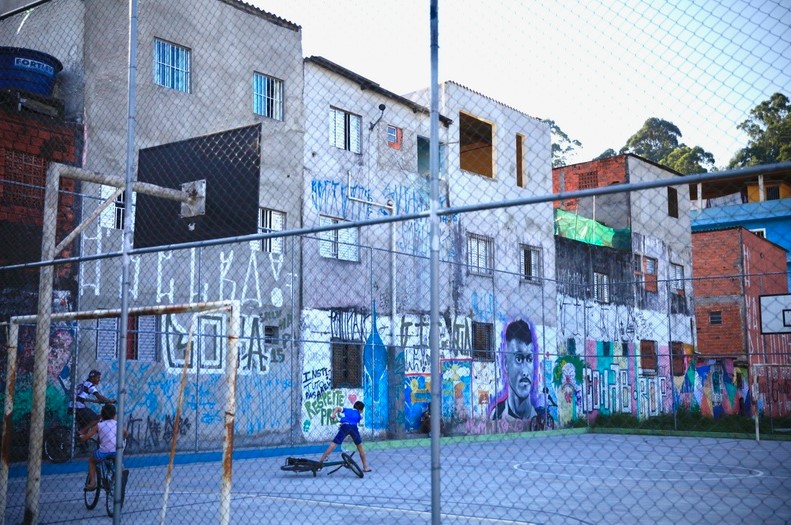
586, 175
28, 142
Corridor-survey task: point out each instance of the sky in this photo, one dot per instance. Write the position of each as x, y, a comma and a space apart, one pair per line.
599, 69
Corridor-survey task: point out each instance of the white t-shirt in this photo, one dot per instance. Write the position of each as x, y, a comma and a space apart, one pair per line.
107, 432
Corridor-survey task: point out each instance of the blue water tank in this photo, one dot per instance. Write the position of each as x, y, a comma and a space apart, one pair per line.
28, 70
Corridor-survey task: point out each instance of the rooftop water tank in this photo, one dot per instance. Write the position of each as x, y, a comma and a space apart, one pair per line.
28, 70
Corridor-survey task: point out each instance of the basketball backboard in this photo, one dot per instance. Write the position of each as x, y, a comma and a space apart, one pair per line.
775, 314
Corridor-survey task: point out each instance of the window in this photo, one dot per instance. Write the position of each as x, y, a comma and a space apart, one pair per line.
772, 193
347, 370
141, 341
649, 271
345, 129
677, 278
394, 137
760, 232
270, 221
648, 357
520, 168
589, 180
715, 317
482, 341
677, 354
672, 202
267, 96
338, 244
480, 254
171, 66
271, 335
423, 167
601, 287
530, 262
477, 145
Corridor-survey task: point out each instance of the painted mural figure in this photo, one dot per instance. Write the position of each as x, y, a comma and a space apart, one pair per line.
519, 362
349, 420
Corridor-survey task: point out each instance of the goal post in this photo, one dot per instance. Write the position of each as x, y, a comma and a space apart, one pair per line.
231, 308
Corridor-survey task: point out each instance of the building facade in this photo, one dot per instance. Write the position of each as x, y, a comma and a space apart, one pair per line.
626, 329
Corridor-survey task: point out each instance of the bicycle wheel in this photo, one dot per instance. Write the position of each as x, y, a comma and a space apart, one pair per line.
349, 463
550, 423
535, 424
58, 444
109, 490
92, 497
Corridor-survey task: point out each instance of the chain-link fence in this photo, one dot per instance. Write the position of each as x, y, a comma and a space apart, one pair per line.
536, 337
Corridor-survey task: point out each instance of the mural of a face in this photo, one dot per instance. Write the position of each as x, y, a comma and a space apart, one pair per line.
519, 366
59, 353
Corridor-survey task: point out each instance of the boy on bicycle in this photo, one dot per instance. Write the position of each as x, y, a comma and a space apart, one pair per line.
106, 429
349, 420
84, 416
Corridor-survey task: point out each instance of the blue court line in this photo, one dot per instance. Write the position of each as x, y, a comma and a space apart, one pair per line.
158, 460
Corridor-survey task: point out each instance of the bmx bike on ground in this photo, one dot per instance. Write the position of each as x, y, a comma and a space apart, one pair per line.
309, 465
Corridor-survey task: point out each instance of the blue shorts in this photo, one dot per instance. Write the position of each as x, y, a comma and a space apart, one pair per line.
347, 430
101, 456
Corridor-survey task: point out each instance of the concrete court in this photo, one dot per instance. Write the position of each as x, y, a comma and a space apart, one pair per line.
559, 477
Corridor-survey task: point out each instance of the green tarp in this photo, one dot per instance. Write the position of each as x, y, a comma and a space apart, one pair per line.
572, 226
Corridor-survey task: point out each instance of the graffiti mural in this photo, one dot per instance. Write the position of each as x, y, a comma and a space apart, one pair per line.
518, 359
456, 390
375, 378
714, 388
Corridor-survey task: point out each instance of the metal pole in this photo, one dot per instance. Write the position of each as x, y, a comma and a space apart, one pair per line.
10, 385
436, 377
127, 245
33, 486
230, 414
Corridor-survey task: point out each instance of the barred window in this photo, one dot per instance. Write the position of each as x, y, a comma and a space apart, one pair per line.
141, 340
480, 254
601, 287
271, 221
347, 370
482, 341
267, 96
171, 66
530, 262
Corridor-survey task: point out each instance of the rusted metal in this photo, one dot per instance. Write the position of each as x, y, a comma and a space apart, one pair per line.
174, 438
10, 387
72, 172
230, 414
41, 353
88, 220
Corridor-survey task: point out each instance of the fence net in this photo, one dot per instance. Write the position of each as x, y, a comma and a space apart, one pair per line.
612, 310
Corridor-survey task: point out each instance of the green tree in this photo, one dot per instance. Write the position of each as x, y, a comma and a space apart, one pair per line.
655, 140
606, 154
769, 130
562, 145
688, 160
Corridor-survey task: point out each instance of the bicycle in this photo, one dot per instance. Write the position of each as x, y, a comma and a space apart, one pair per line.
309, 465
60, 442
543, 420
105, 480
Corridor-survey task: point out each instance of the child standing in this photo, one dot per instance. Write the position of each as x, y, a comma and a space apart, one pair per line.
349, 420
